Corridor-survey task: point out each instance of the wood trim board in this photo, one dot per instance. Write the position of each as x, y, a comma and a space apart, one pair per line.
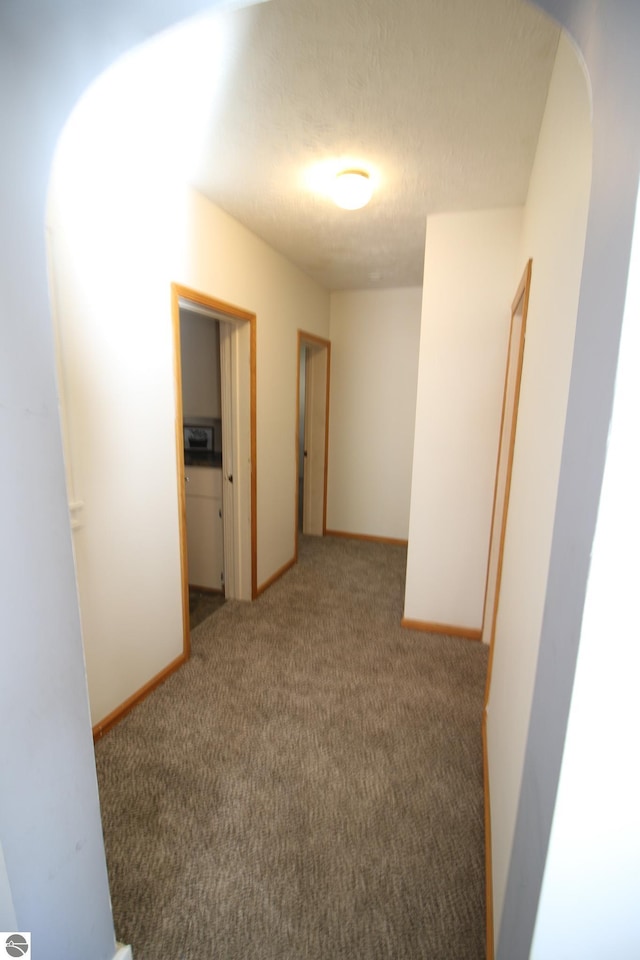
182, 497
448, 629
276, 576
521, 299
104, 725
326, 440
312, 339
393, 541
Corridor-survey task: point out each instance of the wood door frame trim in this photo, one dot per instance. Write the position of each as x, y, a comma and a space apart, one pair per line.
179, 438
446, 629
103, 726
234, 313
276, 576
312, 338
522, 294
369, 537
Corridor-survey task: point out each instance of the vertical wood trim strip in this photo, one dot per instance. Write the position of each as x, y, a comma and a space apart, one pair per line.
496, 483
182, 500
326, 441
521, 295
254, 457
296, 445
314, 340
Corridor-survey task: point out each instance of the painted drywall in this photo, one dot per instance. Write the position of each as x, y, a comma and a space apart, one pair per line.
472, 267
117, 370
595, 700
49, 814
553, 236
200, 356
374, 366
591, 888
51, 839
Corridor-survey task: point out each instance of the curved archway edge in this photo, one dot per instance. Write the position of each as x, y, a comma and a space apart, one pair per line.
607, 36
57, 870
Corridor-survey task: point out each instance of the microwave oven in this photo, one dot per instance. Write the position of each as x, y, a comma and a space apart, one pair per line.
202, 438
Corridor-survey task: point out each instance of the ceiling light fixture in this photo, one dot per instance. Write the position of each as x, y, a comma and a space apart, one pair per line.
352, 189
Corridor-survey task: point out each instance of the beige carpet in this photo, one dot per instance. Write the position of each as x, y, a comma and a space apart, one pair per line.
309, 785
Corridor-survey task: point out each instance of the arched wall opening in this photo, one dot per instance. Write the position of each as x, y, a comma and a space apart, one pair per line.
54, 880
57, 872
554, 782
146, 190
141, 183
553, 234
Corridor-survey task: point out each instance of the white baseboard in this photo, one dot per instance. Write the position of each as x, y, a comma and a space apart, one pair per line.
123, 952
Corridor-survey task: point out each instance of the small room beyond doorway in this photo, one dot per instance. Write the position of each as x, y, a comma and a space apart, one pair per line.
202, 433
312, 433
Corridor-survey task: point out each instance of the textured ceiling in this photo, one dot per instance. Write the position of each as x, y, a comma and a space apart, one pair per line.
441, 100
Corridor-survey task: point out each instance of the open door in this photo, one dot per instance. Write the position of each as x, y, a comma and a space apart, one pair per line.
238, 416
505, 459
314, 359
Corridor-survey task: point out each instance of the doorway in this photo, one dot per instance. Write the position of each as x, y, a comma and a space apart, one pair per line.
511, 397
225, 515
312, 434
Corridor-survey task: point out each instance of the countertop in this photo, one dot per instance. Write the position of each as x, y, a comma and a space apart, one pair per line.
206, 458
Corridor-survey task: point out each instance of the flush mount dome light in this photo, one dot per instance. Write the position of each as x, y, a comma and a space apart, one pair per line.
352, 189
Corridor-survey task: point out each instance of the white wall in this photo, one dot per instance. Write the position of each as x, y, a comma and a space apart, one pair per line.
49, 814
472, 267
553, 235
374, 365
7, 910
577, 818
48, 809
118, 240
591, 889
200, 356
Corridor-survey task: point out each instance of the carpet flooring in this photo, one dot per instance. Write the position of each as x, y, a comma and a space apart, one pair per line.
309, 785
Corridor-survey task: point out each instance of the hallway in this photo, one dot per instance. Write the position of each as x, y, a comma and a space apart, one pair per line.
309, 784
